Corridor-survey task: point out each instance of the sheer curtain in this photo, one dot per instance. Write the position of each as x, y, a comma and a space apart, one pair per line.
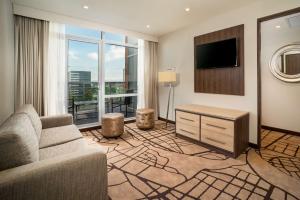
141, 74
148, 67
31, 52
55, 78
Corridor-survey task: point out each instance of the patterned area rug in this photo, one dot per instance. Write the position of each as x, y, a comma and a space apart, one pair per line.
282, 151
155, 164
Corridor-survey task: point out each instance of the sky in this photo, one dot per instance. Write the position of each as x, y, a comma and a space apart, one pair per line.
83, 56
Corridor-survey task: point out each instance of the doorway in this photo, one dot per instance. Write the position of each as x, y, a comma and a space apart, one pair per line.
278, 61
277, 35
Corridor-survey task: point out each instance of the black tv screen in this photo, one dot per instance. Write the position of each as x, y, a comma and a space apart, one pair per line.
217, 54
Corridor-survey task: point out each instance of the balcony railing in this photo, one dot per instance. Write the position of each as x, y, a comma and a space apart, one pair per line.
83, 100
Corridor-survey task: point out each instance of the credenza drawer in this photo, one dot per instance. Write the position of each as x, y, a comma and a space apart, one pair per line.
217, 125
217, 139
188, 131
188, 118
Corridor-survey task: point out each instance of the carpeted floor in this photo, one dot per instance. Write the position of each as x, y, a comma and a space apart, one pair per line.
157, 165
282, 151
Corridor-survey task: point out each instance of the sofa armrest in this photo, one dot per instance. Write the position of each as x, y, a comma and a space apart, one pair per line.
57, 120
74, 176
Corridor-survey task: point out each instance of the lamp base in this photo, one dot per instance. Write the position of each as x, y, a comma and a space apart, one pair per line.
167, 116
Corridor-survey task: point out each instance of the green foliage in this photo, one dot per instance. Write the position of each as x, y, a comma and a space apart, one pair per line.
114, 88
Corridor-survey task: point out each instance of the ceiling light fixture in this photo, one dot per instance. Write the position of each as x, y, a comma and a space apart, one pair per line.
148, 26
277, 26
187, 9
85, 7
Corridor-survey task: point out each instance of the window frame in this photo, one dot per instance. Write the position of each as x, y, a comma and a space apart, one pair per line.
101, 69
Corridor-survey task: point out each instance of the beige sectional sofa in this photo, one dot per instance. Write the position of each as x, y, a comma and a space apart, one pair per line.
47, 158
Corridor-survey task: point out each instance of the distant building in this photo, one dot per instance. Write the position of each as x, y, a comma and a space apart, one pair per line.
79, 76
132, 70
79, 82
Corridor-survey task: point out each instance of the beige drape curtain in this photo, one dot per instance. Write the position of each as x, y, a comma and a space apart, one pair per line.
151, 74
31, 45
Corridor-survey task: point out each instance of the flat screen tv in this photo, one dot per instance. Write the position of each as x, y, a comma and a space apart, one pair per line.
217, 54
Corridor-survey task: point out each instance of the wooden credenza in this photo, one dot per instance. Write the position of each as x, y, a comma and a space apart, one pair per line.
225, 130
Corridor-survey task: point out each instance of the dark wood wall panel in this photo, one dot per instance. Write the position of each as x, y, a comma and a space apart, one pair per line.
222, 80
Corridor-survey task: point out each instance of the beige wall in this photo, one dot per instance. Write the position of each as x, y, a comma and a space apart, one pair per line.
176, 50
280, 100
6, 60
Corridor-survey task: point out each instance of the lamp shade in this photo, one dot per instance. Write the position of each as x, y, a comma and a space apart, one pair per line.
167, 77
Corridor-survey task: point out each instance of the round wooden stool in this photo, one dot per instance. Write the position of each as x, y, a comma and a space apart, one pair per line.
112, 124
145, 118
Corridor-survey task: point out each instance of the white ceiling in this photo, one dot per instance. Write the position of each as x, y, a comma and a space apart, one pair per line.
163, 16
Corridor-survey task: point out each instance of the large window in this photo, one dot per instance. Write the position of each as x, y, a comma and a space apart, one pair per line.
120, 79
83, 82
102, 74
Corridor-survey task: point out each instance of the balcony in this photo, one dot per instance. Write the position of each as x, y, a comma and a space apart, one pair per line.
84, 102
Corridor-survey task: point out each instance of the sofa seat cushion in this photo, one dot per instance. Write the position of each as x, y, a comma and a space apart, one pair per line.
29, 110
59, 135
19, 144
65, 148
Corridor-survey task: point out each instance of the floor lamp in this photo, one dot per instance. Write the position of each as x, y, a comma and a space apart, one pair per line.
168, 78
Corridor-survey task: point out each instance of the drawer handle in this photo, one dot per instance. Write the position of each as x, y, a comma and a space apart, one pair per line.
214, 140
186, 119
187, 131
215, 126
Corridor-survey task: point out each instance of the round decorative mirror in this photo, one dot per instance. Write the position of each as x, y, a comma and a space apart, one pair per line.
285, 63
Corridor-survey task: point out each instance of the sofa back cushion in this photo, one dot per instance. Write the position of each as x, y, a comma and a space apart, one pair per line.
18, 142
29, 110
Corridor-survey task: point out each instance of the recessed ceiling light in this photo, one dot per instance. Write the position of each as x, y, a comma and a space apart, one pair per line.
277, 26
85, 7
148, 26
187, 9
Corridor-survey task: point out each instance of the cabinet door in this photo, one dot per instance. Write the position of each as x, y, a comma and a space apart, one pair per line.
188, 131
222, 126
188, 118
217, 139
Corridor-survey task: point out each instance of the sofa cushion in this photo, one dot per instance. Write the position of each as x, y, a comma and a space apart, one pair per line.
69, 147
18, 142
29, 110
59, 135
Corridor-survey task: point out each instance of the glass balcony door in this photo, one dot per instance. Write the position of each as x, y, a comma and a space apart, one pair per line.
120, 77
83, 81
